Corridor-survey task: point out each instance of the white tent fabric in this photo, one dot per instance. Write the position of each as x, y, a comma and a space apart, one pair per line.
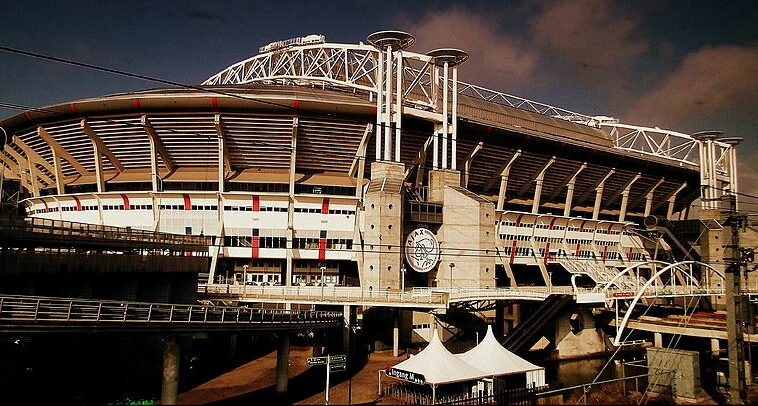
492, 358
439, 366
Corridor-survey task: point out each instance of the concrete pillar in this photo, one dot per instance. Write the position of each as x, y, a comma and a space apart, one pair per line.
396, 334
282, 363
348, 314
499, 327
658, 340
170, 383
232, 346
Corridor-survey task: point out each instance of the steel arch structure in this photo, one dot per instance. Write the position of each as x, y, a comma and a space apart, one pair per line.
354, 67
643, 289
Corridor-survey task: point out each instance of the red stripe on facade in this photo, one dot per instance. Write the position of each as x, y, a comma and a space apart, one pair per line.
296, 104
73, 108
256, 203
322, 249
256, 243
629, 255
28, 115
125, 198
187, 202
46, 208
78, 203
325, 206
214, 102
605, 252
547, 246
136, 103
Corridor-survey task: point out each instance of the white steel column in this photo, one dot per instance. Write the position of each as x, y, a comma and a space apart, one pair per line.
504, 181
625, 197
454, 148
445, 118
599, 195
649, 197
379, 104
538, 186
388, 109
570, 190
398, 103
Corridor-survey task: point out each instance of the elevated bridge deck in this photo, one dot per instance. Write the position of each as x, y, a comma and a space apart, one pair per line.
430, 298
31, 314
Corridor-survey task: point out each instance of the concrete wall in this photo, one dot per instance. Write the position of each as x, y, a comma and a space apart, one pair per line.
469, 227
684, 381
384, 222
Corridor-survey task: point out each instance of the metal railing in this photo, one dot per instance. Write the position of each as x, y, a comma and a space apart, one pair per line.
94, 231
48, 309
331, 294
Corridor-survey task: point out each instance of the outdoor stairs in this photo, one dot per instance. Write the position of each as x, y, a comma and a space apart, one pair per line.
527, 332
600, 273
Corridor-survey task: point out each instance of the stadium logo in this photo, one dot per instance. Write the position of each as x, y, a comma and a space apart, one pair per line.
422, 250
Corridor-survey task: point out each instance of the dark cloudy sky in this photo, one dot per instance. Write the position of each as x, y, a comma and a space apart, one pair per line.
685, 65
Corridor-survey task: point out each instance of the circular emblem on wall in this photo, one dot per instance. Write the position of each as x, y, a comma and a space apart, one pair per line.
422, 250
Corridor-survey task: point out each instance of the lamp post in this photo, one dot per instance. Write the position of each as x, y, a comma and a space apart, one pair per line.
550, 281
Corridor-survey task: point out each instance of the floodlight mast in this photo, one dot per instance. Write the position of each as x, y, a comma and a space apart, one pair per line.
388, 114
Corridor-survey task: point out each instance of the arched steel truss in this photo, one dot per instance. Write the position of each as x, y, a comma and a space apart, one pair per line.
643, 291
353, 67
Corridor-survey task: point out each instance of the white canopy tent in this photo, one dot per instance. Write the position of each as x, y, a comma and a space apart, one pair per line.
435, 365
492, 358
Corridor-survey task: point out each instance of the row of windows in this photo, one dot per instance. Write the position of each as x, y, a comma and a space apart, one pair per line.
316, 210
281, 242
331, 243
262, 208
515, 237
263, 242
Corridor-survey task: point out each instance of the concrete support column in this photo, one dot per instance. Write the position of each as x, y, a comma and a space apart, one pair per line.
658, 340
396, 334
282, 363
170, 383
348, 314
499, 325
232, 346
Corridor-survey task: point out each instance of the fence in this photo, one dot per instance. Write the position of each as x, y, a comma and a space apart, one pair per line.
46, 309
410, 394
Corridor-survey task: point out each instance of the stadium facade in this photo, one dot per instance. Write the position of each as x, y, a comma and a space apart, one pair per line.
315, 162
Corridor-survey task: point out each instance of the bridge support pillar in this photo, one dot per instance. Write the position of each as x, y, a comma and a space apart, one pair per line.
499, 325
658, 339
282, 363
348, 314
396, 334
170, 383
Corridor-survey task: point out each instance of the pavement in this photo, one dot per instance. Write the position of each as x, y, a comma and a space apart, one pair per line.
255, 382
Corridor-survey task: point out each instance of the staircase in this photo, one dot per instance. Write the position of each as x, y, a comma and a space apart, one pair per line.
526, 334
600, 273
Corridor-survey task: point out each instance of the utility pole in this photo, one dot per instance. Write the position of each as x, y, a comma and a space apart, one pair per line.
734, 308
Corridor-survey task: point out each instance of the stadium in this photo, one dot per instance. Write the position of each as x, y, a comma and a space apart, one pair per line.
316, 163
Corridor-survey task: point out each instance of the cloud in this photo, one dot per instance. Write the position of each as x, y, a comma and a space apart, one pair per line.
594, 42
709, 82
495, 58
205, 16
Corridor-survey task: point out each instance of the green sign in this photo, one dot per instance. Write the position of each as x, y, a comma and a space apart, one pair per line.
337, 359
